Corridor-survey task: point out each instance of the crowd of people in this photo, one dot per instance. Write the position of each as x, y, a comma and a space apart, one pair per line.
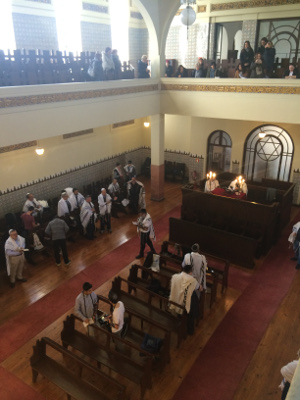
252, 64
75, 213
106, 65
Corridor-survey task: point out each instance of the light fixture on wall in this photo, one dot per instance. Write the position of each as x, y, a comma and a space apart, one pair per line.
188, 15
39, 151
262, 133
146, 123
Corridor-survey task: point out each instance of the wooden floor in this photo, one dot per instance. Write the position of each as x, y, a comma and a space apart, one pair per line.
260, 382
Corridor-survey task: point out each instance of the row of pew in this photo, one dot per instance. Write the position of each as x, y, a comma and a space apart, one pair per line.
147, 316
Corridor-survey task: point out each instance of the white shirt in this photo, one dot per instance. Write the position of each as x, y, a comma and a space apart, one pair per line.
118, 317
73, 200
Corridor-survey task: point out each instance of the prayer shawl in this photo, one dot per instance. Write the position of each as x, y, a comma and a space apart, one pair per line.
211, 185
69, 191
87, 213
62, 208
292, 236
182, 287
199, 266
34, 203
72, 200
148, 224
142, 194
114, 189
11, 244
117, 172
104, 206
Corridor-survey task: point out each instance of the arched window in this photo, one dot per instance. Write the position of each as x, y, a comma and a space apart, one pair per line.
219, 151
268, 153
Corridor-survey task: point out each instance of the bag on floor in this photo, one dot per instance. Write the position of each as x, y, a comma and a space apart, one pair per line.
155, 263
151, 343
37, 245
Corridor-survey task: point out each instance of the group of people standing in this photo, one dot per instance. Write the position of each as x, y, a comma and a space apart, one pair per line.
106, 65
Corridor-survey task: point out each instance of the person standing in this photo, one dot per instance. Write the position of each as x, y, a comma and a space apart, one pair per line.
198, 263
146, 232
288, 371
57, 229
88, 217
86, 306
64, 206
104, 201
14, 251
116, 319
143, 71
136, 195
117, 63
108, 64
76, 199
130, 170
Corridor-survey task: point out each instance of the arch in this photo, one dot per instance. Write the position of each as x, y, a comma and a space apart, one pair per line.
219, 146
268, 153
158, 17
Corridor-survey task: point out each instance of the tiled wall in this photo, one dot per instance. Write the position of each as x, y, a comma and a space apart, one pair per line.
138, 45
95, 37
296, 193
249, 32
35, 32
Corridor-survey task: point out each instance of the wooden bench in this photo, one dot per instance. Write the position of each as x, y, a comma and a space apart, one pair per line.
70, 382
142, 304
216, 265
101, 349
136, 336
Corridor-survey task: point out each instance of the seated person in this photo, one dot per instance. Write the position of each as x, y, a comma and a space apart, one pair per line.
291, 73
130, 170
257, 67
32, 202
238, 185
168, 69
211, 184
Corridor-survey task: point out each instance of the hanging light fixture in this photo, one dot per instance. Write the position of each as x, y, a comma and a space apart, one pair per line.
188, 15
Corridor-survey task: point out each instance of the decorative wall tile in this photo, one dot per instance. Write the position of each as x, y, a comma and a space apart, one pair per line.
137, 15
78, 133
249, 32
18, 146
95, 8
95, 37
35, 32
251, 4
138, 45
41, 1
124, 123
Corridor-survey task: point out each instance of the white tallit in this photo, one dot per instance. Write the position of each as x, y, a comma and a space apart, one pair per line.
182, 287
87, 213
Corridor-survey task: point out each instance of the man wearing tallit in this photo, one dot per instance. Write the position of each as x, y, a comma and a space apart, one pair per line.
88, 217
146, 232
14, 252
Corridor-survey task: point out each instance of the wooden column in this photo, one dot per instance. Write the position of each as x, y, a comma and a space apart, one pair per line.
157, 157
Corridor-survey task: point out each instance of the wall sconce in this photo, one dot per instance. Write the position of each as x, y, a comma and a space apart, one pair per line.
146, 123
39, 151
261, 134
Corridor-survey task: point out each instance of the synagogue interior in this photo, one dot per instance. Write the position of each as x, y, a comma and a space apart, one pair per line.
62, 127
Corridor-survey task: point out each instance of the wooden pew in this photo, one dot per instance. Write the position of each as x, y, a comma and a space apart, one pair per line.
142, 305
104, 353
136, 336
70, 382
215, 264
140, 276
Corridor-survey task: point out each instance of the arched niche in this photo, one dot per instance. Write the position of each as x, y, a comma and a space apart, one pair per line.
268, 153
